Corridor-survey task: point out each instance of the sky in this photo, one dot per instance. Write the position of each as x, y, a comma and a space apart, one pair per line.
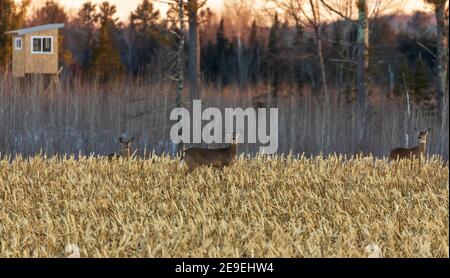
124, 7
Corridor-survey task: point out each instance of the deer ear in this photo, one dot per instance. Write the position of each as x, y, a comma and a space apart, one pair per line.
228, 136
429, 129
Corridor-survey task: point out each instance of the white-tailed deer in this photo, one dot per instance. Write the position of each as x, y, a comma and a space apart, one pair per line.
416, 152
126, 149
218, 158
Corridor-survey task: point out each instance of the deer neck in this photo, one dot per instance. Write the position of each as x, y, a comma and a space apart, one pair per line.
422, 147
233, 149
126, 152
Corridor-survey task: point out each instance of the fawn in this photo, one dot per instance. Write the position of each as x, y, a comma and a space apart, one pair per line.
196, 157
412, 153
126, 149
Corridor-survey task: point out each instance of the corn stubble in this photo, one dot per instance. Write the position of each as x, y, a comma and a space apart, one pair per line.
260, 207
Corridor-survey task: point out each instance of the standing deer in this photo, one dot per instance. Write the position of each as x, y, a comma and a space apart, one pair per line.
126, 149
412, 153
218, 158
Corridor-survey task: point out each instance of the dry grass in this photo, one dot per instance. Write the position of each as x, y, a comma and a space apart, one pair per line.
90, 118
260, 207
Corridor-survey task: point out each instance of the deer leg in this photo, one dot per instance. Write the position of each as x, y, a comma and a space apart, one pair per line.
221, 177
189, 170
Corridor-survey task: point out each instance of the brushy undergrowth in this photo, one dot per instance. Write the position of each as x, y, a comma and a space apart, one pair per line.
260, 207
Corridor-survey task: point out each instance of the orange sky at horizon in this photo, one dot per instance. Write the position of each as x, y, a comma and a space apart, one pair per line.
125, 7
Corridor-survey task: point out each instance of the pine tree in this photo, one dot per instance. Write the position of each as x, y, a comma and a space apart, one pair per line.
273, 57
209, 61
221, 48
106, 61
284, 65
254, 52
11, 18
145, 16
253, 37
273, 37
87, 18
143, 22
297, 52
230, 66
421, 83
51, 12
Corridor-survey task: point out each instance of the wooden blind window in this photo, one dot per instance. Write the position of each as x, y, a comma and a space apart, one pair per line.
18, 43
42, 45
47, 45
37, 45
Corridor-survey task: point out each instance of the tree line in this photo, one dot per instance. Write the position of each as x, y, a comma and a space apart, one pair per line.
248, 47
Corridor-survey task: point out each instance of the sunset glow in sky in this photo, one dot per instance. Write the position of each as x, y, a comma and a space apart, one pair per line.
124, 7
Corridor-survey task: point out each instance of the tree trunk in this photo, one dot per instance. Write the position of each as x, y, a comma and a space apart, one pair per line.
239, 59
180, 56
362, 67
407, 113
180, 66
391, 82
442, 52
323, 76
442, 64
194, 50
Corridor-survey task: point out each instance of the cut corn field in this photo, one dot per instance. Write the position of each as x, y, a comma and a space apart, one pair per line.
259, 207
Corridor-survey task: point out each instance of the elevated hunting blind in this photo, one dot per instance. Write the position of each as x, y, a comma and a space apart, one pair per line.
35, 50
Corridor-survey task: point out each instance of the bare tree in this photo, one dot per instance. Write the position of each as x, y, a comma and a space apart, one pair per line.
441, 14
362, 60
180, 61
193, 7
176, 15
345, 11
309, 13
180, 55
240, 14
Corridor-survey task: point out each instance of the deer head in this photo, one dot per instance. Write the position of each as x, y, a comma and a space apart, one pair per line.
423, 136
126, 146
